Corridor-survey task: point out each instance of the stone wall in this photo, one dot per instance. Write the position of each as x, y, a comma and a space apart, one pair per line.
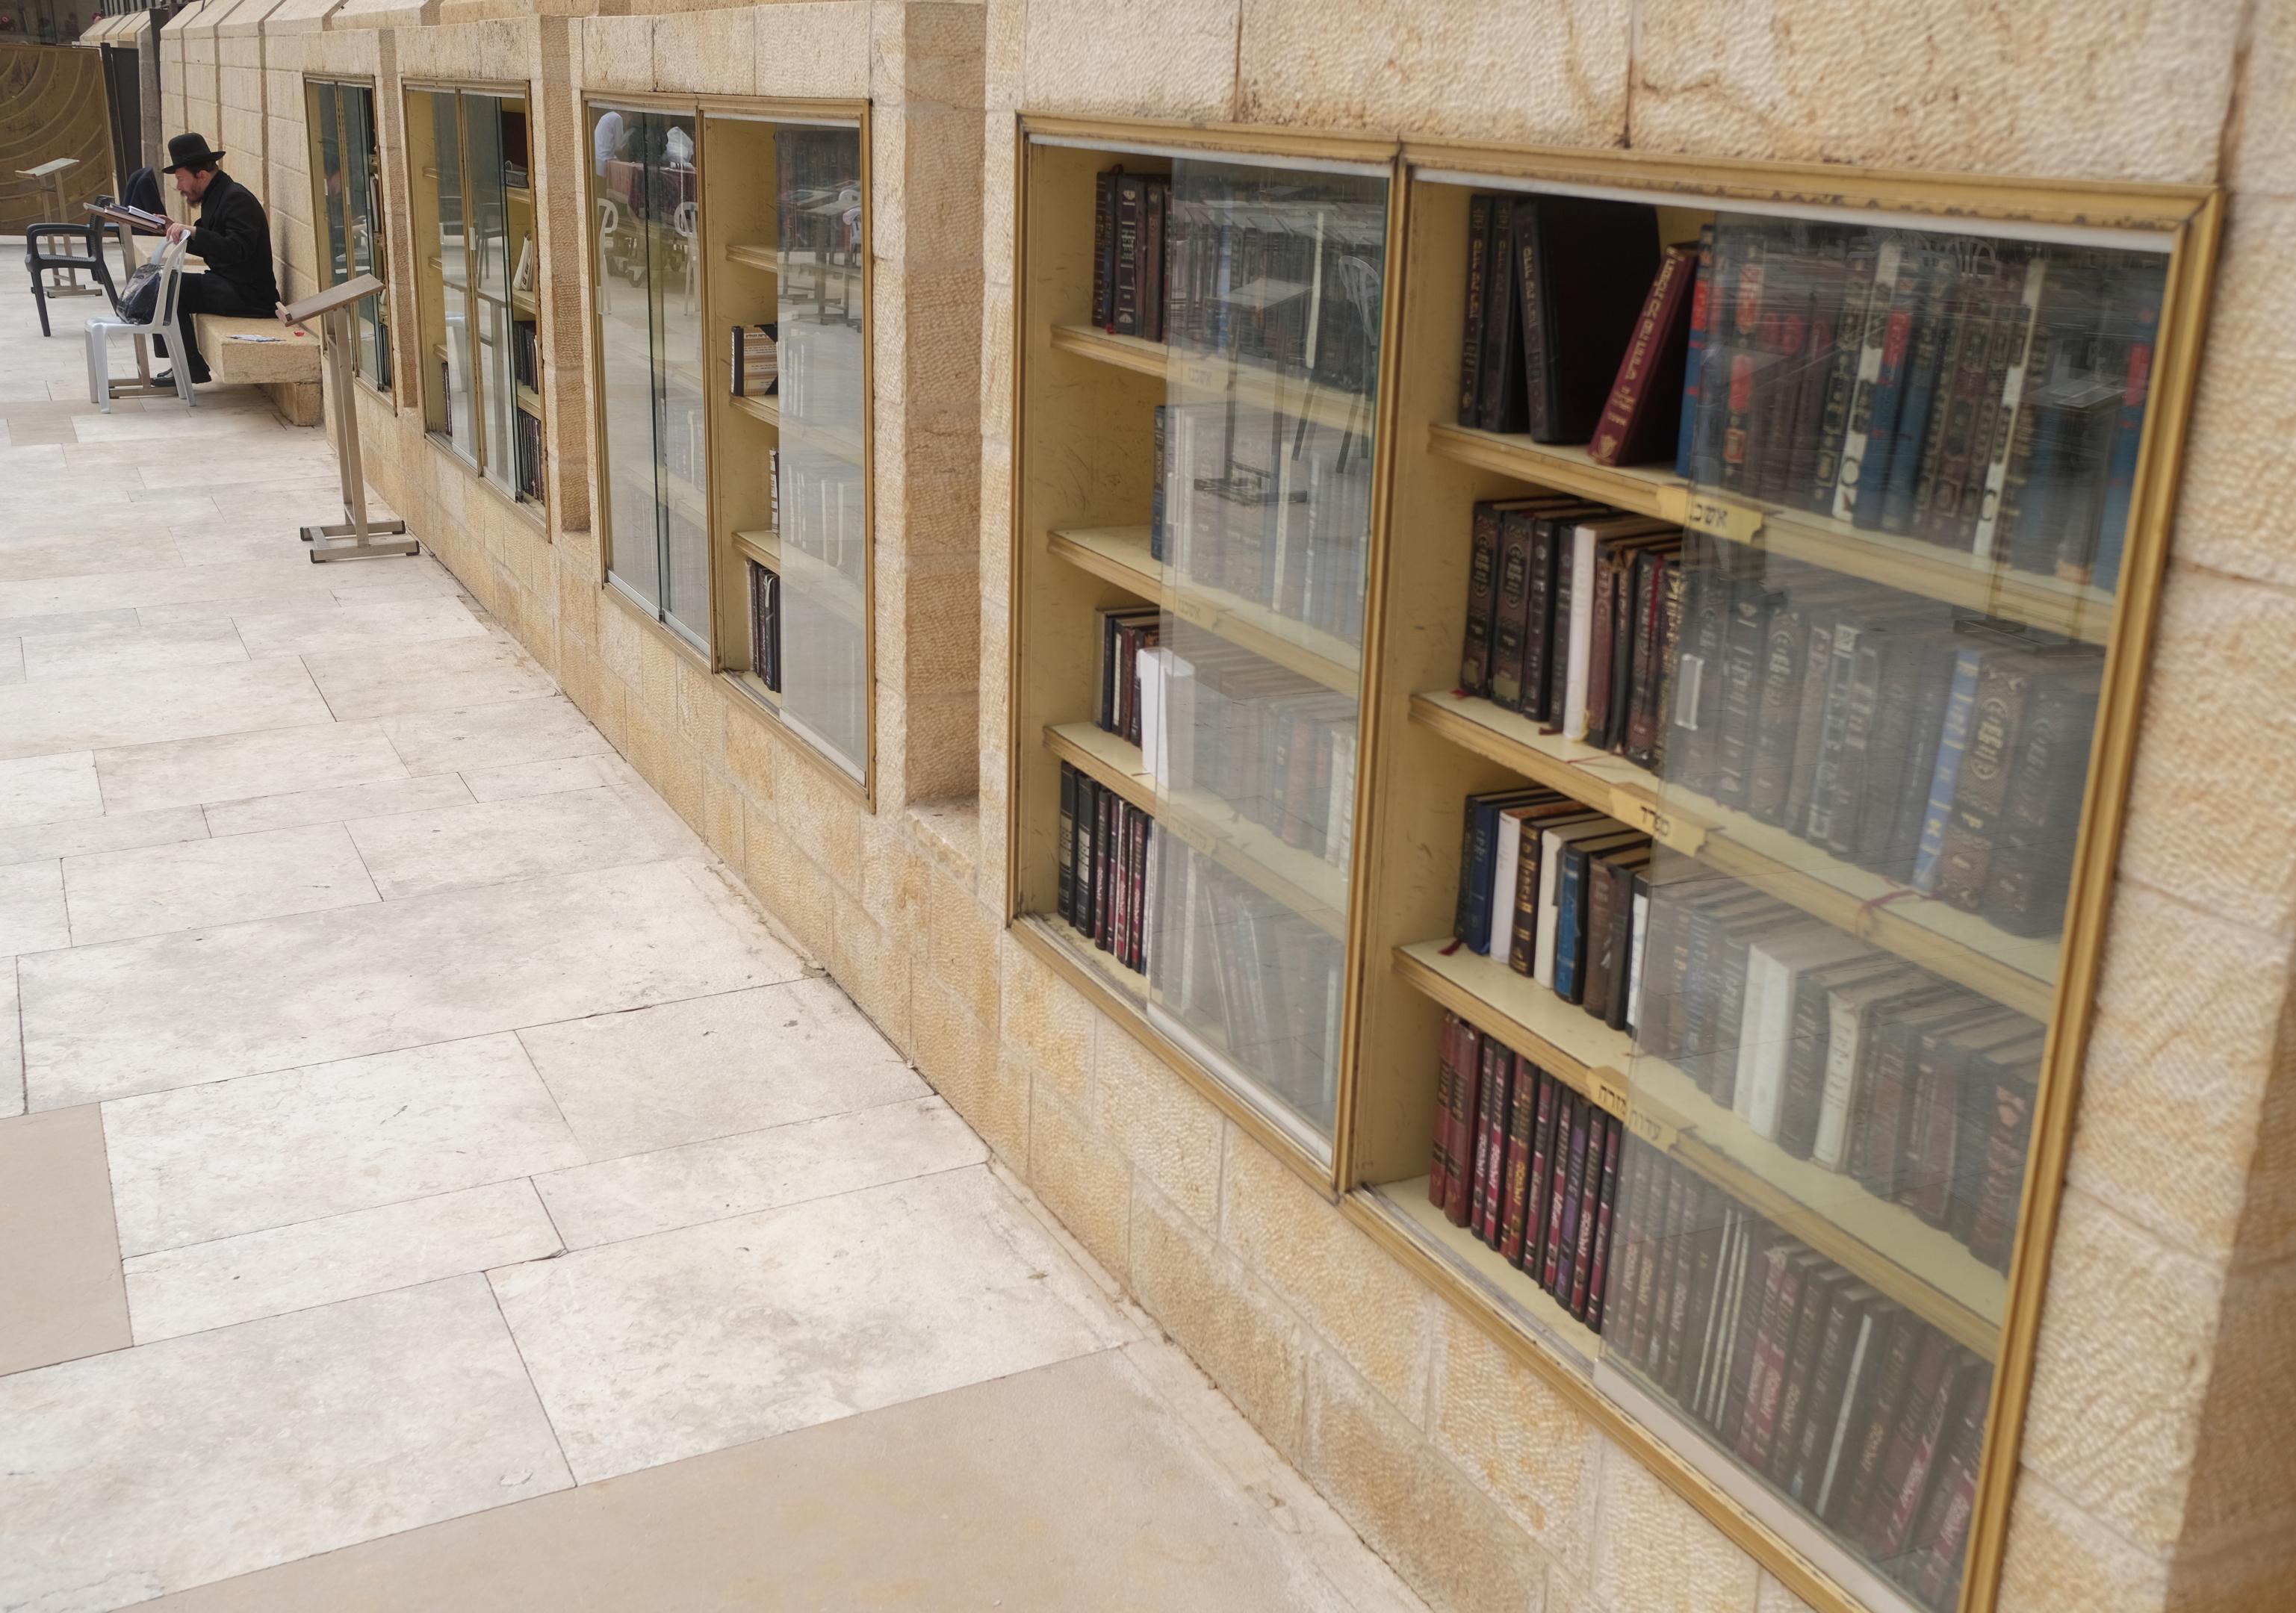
2156, 1465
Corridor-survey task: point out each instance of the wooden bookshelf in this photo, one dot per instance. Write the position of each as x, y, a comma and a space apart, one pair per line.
529, 401
1920, 1266
825, 440
1191, 376
752, 256
767, 410
761, 544
1308, 885
1569, 1044
1128, 981
2015, 970
1121, 555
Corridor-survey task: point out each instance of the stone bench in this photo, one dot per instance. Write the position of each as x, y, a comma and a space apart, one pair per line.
287, 367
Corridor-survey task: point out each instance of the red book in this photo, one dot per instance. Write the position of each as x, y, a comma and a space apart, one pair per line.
1587, 1290
1439, 1169
1498, 1108
1542, 1169
1523, 1122
1640, 1167
1464, 1092
1913, 1448
1569, 1149
1935, 1552
1643, 417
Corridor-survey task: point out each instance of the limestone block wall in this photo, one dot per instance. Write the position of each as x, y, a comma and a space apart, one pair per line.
2156, 1462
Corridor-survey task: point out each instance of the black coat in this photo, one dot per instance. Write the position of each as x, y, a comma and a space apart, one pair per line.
234, 237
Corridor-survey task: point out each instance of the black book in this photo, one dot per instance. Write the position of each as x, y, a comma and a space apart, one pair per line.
1583, 269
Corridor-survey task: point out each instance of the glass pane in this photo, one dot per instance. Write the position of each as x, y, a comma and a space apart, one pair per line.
453, 418
824, 532
622, 280
672, 227
1887, 681
490, 280
363, 197
1270, 305
332, 180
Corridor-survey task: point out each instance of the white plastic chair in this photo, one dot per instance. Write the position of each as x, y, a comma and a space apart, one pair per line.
166, 321
610, 225
687, 222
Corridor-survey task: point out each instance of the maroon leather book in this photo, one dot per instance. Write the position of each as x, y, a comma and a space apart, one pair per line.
1439, 1163
1522, 1121
1643, 417
1464, 1092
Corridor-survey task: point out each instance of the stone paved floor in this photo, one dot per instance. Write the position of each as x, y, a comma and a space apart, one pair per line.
426, 1180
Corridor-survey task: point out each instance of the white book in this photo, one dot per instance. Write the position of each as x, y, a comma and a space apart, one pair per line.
1767, 1032
1506, 861
1550, 860
1148, 670
1869, 370
1852, 1381
1848, 1021
1641, 945
1578, 648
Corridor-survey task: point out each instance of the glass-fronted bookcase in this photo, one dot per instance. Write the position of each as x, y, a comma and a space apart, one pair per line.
478, 278
1673, 632
731, 298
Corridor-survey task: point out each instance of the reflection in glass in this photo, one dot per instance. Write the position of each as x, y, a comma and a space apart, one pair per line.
625, 301
489, 230
362, 195
451, 404
1273, 284
824, 532
673, 211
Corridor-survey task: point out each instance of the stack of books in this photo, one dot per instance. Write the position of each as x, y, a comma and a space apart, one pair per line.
756, 361
1108, 848
1863, 1415
1527, 1165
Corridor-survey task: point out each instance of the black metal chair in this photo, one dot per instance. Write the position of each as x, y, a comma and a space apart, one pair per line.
41, 259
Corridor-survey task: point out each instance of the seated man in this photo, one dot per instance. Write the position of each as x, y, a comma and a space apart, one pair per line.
234, 237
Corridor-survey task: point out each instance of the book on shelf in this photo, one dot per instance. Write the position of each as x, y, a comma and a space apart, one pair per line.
1108, 852
1256, 983
1278, 750
526, 354
766, 626
527, 455
1125, 631
1643, 415
1272, 508
1555, 285
756, 361
1526, 1165
1861, 1415
1983, 396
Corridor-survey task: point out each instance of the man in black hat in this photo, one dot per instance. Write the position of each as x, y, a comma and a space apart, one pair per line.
233, 236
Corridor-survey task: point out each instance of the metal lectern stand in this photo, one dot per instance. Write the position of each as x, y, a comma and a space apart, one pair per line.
334, 305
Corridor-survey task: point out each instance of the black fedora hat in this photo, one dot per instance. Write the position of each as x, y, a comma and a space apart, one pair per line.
190, 151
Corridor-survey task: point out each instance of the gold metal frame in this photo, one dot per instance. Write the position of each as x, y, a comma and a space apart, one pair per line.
2185, 220
701, 108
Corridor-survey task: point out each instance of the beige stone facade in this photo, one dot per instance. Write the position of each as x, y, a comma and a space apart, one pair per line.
2158, 1458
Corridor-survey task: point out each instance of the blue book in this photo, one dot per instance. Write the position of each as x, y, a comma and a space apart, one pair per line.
1701, 317
1568, 892
1899, 328
1953, 741
1483, 839
1937, 312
